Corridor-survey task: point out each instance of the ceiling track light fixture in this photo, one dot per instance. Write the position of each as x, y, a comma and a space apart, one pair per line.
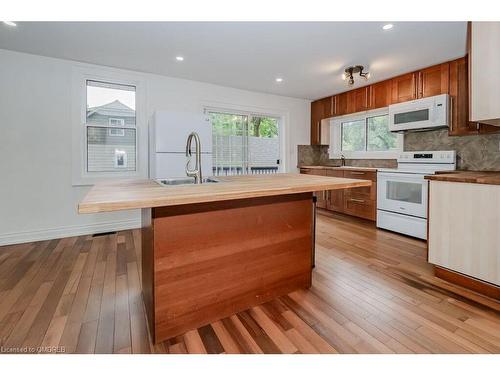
356, 69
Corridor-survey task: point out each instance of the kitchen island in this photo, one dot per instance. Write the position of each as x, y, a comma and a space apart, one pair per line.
211, 250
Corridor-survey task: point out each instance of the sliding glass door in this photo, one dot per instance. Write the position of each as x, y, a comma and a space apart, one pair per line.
245, 143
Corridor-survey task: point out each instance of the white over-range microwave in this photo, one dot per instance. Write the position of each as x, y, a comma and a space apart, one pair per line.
425, 113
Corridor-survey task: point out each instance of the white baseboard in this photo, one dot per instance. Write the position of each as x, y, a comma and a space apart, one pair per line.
67, 231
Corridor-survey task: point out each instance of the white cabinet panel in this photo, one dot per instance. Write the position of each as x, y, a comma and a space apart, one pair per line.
464, 228
485, 54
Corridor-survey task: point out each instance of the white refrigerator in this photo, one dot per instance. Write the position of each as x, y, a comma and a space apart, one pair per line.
168, 133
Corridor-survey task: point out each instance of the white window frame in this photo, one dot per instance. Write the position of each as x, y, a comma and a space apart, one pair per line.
80, 76
119, 134
122, 121
238, 109
336, 151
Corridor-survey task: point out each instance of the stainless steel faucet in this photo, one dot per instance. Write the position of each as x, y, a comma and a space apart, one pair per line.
342, 160
196, 172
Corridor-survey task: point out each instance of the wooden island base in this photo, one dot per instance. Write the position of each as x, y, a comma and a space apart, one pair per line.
203, 262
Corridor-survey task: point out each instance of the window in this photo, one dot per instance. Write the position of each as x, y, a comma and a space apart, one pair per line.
244, 143
120, 159
110, 123
116, 121
353, 135
116, 132
364, 135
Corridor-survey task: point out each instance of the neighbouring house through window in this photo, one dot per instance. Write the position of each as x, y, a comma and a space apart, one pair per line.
111, 139
244, 143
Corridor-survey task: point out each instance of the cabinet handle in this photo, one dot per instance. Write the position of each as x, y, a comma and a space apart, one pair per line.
452, 124
358, 173
420, 85
357, 200
416, 85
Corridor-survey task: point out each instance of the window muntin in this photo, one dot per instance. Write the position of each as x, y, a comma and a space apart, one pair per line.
110, 122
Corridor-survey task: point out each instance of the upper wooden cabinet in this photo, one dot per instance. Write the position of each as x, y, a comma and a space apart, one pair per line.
422, 84
458, 90
327, 107
433, 81
358, 100
320, 110
316, 117
404, 88
340, 107
380, 94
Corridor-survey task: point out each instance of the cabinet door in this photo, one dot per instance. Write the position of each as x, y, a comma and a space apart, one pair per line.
335, 200
316, 116
459, 91
433, 81
327, 107
380, 94
404, 88
361, 202
340, 102
358, 100
321, 196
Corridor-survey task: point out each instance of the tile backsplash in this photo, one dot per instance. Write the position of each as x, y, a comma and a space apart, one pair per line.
318, 155
474, 152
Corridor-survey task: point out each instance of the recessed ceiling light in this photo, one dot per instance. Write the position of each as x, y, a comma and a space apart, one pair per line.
388, 26
279, 80
179, 58
9, 23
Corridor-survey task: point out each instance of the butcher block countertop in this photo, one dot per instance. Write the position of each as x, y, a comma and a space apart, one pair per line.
473, 177
133, 194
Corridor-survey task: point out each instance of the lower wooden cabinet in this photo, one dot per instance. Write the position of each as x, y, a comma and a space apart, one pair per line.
360, 207
335, 198
359, 202
321, 196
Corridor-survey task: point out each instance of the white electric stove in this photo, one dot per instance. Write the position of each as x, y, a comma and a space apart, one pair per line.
402, 192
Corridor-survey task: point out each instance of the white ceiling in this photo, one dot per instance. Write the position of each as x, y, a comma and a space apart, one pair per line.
309, 56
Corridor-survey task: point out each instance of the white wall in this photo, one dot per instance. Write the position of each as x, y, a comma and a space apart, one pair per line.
37, 199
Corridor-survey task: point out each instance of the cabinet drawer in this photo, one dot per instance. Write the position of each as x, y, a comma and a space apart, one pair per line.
365, 208
334, 173
368, 192
361, 175
316, 172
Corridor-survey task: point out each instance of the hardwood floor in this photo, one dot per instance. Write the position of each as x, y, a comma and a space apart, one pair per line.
373, 292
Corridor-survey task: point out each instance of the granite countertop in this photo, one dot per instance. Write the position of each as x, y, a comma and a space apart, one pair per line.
346, 168
133, 194
473, 177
